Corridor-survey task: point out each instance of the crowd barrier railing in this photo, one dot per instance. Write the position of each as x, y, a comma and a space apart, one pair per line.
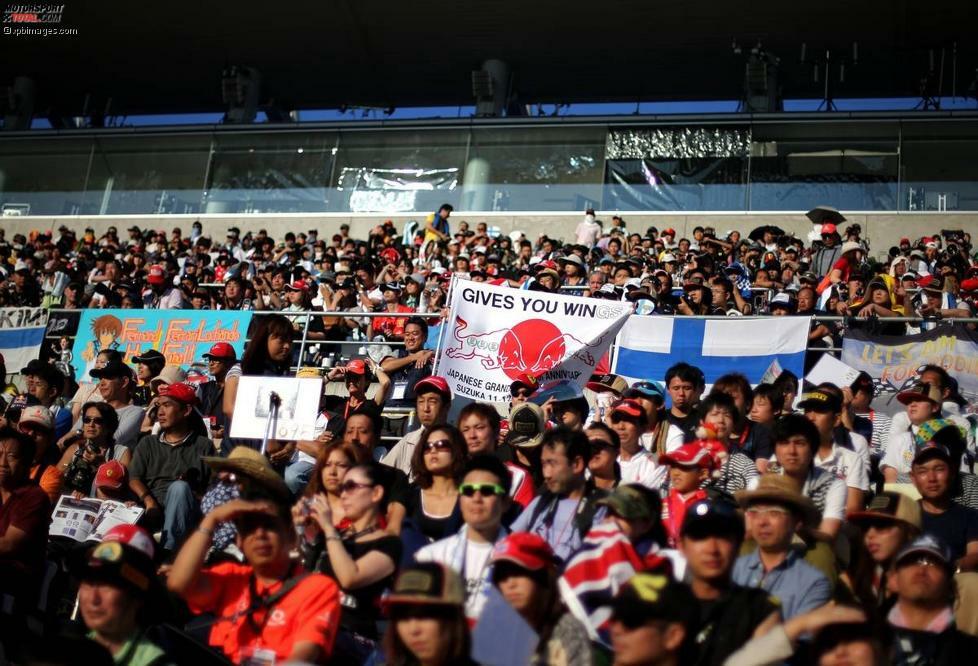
359, 347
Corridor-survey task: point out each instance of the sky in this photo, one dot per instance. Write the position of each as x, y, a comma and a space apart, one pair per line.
582, 110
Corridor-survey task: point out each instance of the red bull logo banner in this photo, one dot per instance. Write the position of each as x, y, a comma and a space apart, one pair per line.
495, 334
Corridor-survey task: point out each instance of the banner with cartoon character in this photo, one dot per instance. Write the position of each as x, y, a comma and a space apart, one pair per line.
183, 336
894, 361
495, 334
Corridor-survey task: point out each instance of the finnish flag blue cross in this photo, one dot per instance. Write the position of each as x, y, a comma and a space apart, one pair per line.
758, 348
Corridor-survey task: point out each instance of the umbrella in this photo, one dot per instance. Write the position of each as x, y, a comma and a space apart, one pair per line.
823, 214
759, 232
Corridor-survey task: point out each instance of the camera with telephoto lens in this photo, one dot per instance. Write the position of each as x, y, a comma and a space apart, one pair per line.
80, 473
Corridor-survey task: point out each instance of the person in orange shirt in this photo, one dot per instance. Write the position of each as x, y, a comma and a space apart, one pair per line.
268, 610
37, 423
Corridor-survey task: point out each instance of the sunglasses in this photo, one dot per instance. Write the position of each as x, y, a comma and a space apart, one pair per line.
484, 489
97, 420
351, 485
438, 445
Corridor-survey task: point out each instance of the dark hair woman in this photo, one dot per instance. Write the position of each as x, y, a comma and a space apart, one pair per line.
268, 353
336, 459
427, 620
524, 569
362, 558
94, 445
437, 467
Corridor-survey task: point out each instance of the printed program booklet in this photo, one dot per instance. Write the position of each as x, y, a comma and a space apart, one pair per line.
89, 519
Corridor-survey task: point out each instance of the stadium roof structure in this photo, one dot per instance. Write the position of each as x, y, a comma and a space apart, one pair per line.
167, 57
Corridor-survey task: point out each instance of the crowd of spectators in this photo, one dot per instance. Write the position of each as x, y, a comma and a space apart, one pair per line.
646, 523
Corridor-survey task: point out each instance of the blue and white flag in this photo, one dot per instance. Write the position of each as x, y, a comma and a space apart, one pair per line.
21, 335
648, 346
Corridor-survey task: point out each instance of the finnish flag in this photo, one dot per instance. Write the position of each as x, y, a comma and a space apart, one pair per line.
20, 345
648, 346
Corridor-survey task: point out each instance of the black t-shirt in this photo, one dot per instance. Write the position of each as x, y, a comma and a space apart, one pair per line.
361, 607
956, 527
757, 441
728, 622
398, 486
687, 424
434, 528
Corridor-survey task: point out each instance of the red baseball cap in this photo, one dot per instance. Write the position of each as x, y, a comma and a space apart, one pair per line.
669, 231
524, 379
180, 392
110, 475
629, 407
546, 264
828, 228
135, 537
971, 284
433, 383
298, 285
221, 350
156, 275
692, 454
527, 550
357, 367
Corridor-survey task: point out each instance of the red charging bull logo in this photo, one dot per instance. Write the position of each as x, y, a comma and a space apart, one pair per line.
530, 347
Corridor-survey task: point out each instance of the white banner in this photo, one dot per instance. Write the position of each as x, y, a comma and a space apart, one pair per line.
495, 334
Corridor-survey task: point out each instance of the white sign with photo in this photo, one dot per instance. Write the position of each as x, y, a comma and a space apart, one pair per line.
296, 414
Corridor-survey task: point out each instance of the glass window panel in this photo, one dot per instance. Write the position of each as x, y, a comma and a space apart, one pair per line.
677, 168
534, 168
270, 172
408, 171
43, 176
852, 166
158, 174
940, 171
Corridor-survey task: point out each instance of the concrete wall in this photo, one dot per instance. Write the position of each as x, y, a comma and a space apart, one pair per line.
882, 229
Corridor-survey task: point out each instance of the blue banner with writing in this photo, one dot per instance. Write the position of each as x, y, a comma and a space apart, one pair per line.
183, 336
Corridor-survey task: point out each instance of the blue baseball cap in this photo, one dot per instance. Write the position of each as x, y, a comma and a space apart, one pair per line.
646, 389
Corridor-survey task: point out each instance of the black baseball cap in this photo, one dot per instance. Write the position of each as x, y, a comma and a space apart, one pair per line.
708, 518
651, 596
820, 401
150, 357
113, 370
